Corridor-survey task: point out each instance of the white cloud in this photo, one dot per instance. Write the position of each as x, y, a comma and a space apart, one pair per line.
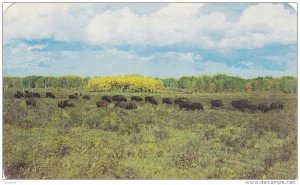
174, 23
260, 25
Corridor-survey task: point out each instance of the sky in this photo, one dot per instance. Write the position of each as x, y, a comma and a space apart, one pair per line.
151, 39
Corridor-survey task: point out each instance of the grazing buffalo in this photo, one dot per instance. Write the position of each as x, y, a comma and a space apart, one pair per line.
121, 104
19, 93
101, 103
244, 104
36, 95
50, 95
86, 97
276, 105
263, 107
118, 98
18, 96
65, 103
216, 103
72, 96
28, 95
31, 102
188, 105
151, 100
136, 98
126, 105
167, 101
178, 101
130, 106
106, 98
195, 106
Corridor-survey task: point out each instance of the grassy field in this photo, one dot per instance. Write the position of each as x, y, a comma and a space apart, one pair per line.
151, 142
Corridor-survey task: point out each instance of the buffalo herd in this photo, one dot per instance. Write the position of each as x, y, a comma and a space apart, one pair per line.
183, 103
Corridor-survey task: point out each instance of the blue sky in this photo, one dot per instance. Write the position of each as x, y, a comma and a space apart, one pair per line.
152, 39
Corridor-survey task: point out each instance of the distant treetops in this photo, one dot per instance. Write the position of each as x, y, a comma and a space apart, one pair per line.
137, 83
134, 83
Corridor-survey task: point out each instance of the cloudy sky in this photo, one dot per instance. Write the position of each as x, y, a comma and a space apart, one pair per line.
152, 39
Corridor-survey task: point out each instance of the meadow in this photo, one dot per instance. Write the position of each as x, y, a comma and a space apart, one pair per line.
150, 142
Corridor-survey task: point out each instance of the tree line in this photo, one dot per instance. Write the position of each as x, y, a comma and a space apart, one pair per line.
205, 83
226, 83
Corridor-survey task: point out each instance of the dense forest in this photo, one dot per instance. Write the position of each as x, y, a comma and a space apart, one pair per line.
216, 83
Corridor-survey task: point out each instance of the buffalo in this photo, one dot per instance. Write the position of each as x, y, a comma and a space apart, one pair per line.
188, 105
50, 95
130, 106
263, 107
26, 91
136, 98
65, 103
36, 95
151, 100
72, 96
167, 101
178, 101
31, 102
106, 98
216, 103
195, 106
86, 97
243, 104
126, 105
101, 103
28, 95
19, 93
121, 104
148, 98
118, 98
18, 96
276, 105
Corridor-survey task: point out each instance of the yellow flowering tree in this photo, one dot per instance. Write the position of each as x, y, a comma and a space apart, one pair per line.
132, 83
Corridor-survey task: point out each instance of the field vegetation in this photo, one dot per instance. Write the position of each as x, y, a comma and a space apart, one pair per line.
151, 142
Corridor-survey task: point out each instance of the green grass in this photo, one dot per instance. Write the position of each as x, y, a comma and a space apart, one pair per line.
152, 142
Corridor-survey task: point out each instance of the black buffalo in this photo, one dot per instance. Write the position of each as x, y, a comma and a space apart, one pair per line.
126, 105
216, 103
188, 105
118, 98
31, 102
18, 96
136, 98
167, 101
101, 103
263, 107
86, 97
178, 101
28, 95
243, 104
65, 103
72, 96
276, 105
36, 95
106, 98
130, 106
151, 100
50, 95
